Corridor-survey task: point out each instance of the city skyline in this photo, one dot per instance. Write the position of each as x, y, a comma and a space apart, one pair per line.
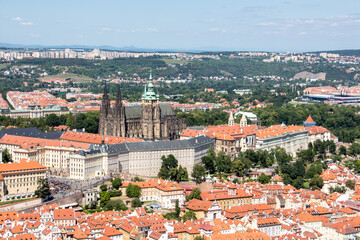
201, 25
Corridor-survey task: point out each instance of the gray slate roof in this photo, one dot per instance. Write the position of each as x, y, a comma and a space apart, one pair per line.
31, 132
135, 111
150, 146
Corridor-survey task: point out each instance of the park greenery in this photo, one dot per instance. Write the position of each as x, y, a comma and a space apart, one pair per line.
43, 190
171, 171
6, 156
133, 191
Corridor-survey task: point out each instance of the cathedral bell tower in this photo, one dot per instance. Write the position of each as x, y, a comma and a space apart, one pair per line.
105, 112
119, 128
150, 113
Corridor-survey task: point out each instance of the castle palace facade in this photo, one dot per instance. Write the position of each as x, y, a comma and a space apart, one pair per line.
150, 120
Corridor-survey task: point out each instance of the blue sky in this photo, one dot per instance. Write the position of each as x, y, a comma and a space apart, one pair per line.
271, 25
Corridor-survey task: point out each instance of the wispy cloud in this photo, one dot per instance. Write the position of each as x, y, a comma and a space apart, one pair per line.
21, 21
265, 24
27, 23
213, 29
17, 19
138, 30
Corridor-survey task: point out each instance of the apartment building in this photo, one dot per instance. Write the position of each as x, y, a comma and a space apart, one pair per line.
20, 178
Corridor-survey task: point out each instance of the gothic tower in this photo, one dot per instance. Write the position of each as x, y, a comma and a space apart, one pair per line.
119, 126
105, 112
150, 113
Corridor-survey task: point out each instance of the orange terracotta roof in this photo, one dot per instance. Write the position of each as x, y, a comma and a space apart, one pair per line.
24, 164
156, 183
95, 138
313, 130
309, 120
29, 142
223, 194
278, 130
198, 205
60, 214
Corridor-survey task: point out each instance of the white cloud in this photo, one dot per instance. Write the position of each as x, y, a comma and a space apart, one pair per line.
17, 19
144, 30
27, 23
302, 33
213, 29
105, 29
265, 24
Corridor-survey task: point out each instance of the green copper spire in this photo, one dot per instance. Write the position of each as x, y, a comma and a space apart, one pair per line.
149, 93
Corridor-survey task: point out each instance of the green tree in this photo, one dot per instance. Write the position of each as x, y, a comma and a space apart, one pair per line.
316, 182
52, 120
116, 205
6, 156
133, 191
136, 203
342, 150
209, 160
350, 184
281, 156
314, 169
103, 187
164, 173
116, 183
307, 155
199, 238
354, 149
177, 208
70, 121
104, 198
338, 189
138, 179
238, 167
43, 189
195, 194
263, 179
198, 173
189, 215
168, 164
223, 163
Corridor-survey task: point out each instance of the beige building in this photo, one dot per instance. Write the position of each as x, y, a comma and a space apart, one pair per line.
20, 178
140, 158
34, 111
291, 138
53, 154
164, 192
231, 138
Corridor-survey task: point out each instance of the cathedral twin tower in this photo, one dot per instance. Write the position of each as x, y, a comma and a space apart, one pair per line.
150, 120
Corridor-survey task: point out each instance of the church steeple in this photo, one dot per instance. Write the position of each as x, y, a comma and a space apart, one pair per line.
118, 97
149, 93
243, 121
231, 119
105, 95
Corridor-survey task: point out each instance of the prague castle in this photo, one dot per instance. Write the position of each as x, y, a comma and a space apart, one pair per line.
150, 120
